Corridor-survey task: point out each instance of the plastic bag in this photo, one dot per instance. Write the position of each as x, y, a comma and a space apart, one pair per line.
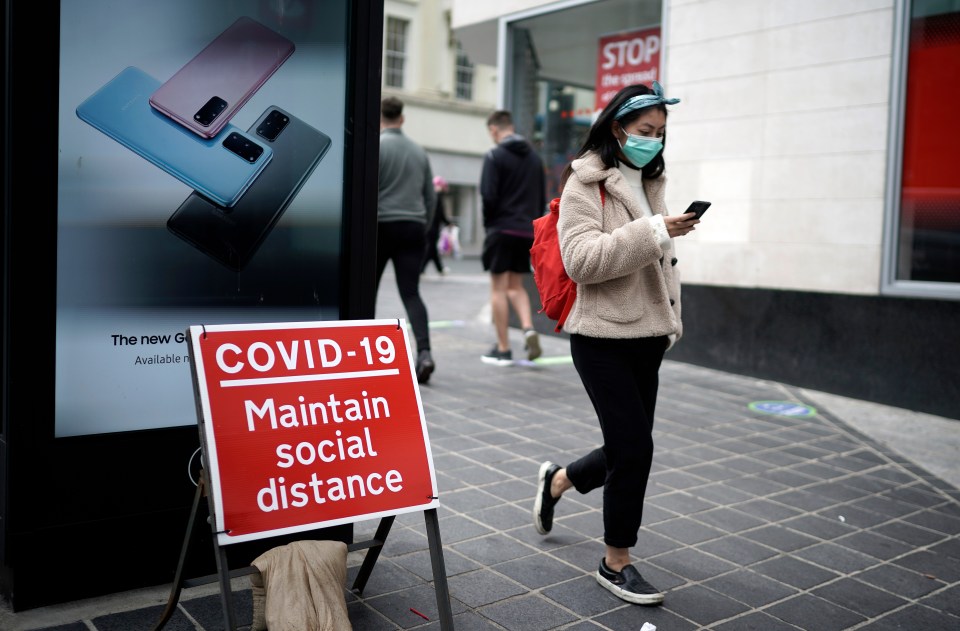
454, 240
444, 246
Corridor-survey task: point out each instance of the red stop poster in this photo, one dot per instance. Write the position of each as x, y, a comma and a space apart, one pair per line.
624, 59
308, 425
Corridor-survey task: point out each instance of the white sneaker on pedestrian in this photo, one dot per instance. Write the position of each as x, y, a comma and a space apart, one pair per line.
497, 357
532, 344
628, 585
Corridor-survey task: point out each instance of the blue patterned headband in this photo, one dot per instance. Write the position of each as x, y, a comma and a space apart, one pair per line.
644, 100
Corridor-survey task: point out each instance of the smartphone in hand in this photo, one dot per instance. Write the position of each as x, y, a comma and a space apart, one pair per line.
697, 208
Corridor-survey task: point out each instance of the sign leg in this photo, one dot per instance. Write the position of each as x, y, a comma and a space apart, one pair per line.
226, 591
439, 570
178, 577
370, 559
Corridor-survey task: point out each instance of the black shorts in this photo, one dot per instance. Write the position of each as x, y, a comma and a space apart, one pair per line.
506, 253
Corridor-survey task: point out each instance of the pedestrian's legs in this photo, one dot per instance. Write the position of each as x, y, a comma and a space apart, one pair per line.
500, 308
426, 260
621, 378
588, 472
519, 299
406, 263
432, 255
385, 241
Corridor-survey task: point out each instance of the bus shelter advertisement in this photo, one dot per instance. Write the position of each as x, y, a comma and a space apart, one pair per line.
309, 425
625, 59
200, 180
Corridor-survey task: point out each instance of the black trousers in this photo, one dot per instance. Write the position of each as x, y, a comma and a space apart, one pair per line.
621, 377
403, 242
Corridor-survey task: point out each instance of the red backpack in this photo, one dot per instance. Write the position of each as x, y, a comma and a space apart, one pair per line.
557, 291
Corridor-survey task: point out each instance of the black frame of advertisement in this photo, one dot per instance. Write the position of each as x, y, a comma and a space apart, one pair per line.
84, 516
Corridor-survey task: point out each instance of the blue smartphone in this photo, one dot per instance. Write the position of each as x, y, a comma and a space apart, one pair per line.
220, 168
233, 235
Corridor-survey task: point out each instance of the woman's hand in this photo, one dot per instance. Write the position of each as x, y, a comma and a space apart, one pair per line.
681, 224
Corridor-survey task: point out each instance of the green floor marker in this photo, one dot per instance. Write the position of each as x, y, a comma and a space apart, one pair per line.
553, 361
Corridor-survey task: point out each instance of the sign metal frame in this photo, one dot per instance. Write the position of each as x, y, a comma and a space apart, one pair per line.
325, 363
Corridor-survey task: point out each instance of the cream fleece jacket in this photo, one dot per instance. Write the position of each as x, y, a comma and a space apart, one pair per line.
627, 282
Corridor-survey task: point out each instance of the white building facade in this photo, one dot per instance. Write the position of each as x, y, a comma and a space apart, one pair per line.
823, 133
447, 99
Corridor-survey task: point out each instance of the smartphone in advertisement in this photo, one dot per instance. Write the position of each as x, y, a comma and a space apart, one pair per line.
233, 235
221, 168
210, 88
698, 208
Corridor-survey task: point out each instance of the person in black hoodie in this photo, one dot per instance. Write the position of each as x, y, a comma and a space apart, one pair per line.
513, 188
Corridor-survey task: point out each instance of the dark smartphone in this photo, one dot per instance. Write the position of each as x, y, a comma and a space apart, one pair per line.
232, 235
697, 207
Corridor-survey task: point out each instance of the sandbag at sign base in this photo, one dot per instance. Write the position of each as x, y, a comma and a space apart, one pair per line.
302, 587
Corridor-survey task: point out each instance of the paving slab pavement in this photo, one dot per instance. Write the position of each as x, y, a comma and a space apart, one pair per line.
769, 506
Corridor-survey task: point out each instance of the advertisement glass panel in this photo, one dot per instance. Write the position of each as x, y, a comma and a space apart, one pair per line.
200, 181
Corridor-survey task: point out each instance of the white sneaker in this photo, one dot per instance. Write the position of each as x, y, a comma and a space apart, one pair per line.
532, 341
497, 357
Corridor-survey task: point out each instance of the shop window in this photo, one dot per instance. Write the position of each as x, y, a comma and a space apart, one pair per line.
554, 59
395, 52
464, 80
928, 226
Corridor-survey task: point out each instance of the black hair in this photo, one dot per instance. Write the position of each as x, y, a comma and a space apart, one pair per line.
500, 119
601, 139
391, 108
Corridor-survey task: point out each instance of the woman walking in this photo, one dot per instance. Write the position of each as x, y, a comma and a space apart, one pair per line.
616, 243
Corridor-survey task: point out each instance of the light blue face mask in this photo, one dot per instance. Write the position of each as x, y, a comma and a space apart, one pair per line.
640, 150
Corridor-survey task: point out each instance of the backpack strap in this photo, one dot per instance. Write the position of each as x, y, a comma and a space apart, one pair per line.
567, 307
572, 296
